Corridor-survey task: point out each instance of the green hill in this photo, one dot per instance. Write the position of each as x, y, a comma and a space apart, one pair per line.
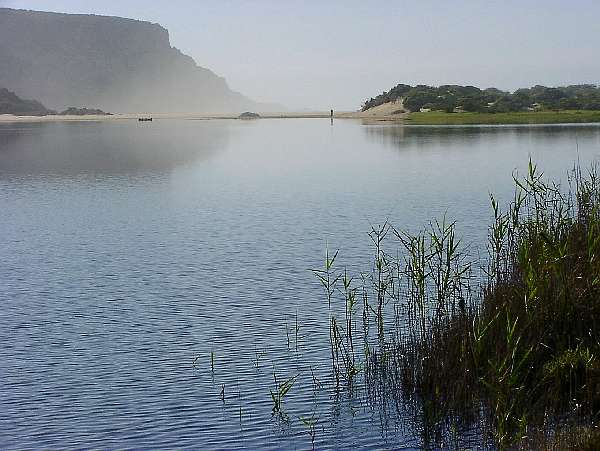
456, 98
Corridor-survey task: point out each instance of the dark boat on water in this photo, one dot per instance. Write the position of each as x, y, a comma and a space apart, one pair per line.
145, 119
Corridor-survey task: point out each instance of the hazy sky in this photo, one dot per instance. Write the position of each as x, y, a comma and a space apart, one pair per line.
317, 54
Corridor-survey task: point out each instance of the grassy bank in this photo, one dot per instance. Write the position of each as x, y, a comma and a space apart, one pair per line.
533, 117
511, 356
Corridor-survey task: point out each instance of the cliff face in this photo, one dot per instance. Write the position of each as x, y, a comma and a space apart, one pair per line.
115, 64
10, 103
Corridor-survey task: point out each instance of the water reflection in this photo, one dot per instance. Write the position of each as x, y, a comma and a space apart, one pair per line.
110, 148
403, 136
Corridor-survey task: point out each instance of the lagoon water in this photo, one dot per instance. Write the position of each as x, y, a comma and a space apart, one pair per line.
130, 250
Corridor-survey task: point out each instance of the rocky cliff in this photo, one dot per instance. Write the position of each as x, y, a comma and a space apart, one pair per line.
10, 103
115, 64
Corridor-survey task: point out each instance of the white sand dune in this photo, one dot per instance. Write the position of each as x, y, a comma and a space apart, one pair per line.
387, 111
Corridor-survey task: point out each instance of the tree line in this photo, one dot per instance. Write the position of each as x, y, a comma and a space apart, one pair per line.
451, 98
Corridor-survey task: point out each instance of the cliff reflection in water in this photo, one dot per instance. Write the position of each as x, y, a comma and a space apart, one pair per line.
111, 148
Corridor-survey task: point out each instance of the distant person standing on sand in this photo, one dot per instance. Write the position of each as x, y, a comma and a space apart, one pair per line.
331, 113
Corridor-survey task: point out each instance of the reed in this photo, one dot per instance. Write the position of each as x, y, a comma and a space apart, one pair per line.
257, 356
310, 423
281, 390
513, 352
296, 329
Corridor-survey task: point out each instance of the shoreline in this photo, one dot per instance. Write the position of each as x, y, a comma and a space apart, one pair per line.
368, 117
7, 118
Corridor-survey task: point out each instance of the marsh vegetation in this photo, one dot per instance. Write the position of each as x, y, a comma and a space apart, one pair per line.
502, 351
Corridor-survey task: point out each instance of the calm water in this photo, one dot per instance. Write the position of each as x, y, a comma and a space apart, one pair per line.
130, 249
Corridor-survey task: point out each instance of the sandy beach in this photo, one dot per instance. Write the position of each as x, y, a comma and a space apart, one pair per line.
381, 113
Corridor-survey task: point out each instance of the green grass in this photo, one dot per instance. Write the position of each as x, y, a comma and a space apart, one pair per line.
533, 117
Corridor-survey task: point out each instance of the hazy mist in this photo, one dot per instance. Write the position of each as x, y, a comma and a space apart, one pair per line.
308, 54
115, 64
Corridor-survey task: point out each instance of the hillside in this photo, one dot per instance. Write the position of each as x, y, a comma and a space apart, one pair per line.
116, 64
10, 103
74, 111
451, 98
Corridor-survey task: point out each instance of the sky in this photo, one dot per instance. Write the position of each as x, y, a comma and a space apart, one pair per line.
315, 54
